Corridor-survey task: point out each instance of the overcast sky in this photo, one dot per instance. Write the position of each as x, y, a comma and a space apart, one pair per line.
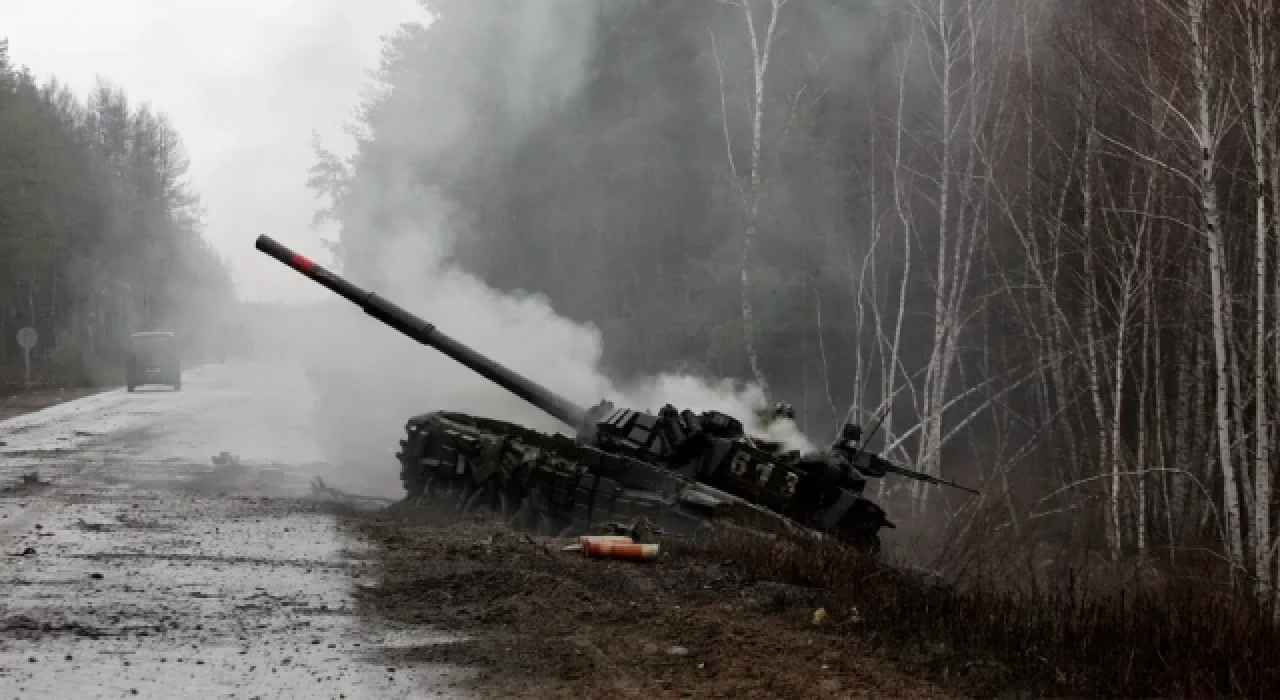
246, 82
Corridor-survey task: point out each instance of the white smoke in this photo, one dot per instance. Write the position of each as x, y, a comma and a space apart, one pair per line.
370, 377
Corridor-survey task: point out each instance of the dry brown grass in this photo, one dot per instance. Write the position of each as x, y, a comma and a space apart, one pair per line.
1055, 625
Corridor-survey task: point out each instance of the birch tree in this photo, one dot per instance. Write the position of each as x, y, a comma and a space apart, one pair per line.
1257, 18
952, 37
1208, 126
751, 192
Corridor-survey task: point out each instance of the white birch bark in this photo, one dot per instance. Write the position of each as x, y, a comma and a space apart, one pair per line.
1145, 380
946, 66
761, 49
1207, 140
952, 51
1257, 16
1274, 185
889, 387
1091, 323
1117, 407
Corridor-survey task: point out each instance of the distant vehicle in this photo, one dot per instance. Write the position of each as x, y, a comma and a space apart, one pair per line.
153, 359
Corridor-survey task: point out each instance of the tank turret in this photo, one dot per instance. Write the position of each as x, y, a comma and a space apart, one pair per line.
681, 470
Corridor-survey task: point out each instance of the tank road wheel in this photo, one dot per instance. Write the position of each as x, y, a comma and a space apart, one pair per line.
427, 497
525, 517
444, 493
551, 518
476, 493
461, 496
487, 498
412, 476
860, 527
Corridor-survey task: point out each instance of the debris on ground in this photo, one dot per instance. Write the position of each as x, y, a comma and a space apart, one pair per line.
231, 472
538, 626
29, 483
321, 490
226, 459
92, 527
613, 547
639, 530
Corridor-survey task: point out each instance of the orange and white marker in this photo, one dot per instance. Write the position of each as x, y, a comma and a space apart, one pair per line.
622, 550
614, 547
587, 540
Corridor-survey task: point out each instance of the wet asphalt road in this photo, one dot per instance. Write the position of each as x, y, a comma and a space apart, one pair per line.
138, 570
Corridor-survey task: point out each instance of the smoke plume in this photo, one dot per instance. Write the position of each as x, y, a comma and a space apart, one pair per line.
509, 71
371, 379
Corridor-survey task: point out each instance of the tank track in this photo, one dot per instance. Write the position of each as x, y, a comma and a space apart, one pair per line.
549, 484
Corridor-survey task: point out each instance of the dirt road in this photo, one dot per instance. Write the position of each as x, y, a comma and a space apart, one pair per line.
136, 568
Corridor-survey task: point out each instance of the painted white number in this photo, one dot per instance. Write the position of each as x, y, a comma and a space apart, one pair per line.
790, 487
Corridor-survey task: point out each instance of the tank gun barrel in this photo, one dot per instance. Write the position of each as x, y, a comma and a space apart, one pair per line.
426, 333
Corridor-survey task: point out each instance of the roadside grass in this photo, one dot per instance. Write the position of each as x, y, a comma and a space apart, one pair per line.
1079, 630
1000, 616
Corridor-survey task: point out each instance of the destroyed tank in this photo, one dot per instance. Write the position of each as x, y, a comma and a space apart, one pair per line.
681, 471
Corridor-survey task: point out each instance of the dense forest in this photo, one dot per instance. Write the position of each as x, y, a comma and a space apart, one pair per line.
100, 232
1043, 234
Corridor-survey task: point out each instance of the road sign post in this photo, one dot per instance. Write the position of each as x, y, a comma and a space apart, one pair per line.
27, 338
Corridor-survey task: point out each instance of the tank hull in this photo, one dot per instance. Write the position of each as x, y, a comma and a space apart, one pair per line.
552, 484
680, 471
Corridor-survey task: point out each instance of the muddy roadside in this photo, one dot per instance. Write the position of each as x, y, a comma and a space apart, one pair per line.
194, 588
17, 403
538, 622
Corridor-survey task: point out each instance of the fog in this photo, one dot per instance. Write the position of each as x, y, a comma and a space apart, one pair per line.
246, 84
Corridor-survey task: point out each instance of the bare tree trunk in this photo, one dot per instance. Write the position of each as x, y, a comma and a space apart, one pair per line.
822, 352
932, 416
1161, 411
1207, 140
1093, 331
1274, 184
1145, 382
1258, 15
1203, 416
761, 48
889, 383
1117, 403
